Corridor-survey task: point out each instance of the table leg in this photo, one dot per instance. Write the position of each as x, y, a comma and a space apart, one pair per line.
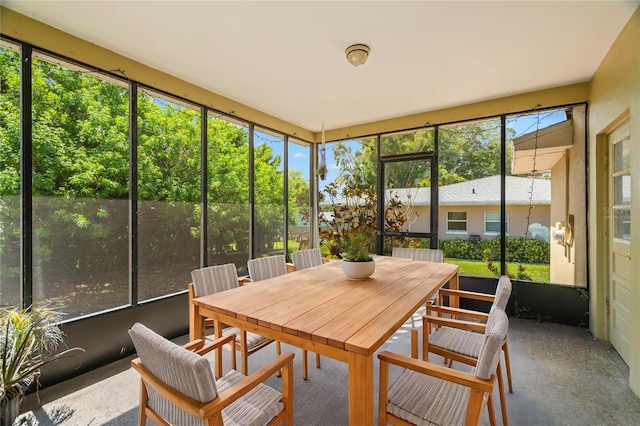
217, 329
454, 284
196, 326
360, 389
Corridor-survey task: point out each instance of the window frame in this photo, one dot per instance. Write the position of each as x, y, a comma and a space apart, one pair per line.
465, 221
485, 232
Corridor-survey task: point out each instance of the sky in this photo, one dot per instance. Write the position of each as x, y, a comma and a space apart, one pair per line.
299, 155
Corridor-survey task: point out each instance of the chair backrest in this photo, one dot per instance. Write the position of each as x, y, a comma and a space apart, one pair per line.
303, 259
494, 337
214, 279
266, 267
423, 255
503, 293
177, 367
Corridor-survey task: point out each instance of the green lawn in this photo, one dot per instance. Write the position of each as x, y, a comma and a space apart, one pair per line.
538, 273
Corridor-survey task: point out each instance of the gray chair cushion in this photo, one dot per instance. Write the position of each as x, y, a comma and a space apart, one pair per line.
423, 255
183, 370
424, 400
266, 267
303, 259
256, 408
214, 279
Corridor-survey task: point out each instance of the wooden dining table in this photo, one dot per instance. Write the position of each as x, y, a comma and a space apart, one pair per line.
321, 310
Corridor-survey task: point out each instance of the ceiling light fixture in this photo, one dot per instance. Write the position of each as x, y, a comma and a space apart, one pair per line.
357, 54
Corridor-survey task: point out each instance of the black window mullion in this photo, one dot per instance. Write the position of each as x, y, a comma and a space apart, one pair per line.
26, 171
381, 199
434, 205
204, 184
285, 192
251, 192
503, 207
133, 193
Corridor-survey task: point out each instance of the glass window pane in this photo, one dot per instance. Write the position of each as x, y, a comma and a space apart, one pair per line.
622, 223
408, 196
457, 226
493, 227
408, 142
457, 215
622, 153
299, 193
80, 189
622, 190
469, 156
228, 193
168, 195
348, 197
10, 175
269, 194
412, 242
492, 216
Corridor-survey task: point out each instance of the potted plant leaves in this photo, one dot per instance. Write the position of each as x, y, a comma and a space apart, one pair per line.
29, 339
357, 262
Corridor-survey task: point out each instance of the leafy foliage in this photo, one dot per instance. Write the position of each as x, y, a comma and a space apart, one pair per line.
81, 186
29, 339
518, 249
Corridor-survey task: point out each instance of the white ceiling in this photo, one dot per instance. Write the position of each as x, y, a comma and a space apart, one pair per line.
287, 58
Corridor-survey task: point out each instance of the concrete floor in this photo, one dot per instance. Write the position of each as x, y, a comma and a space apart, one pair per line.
561, 375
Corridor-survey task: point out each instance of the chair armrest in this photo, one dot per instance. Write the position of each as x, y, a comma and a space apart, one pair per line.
218, 343
243, 280
467, 294
290, 267
438, 371
455, 323
325, 260
245, 385
455, 312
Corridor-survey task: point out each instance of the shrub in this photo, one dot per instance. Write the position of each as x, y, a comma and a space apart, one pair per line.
518, 249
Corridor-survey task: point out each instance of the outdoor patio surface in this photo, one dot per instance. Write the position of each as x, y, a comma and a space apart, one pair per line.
561, 376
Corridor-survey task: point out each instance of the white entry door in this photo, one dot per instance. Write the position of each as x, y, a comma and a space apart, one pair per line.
619, 291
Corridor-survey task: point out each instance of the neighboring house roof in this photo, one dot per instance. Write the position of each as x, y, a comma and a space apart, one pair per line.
477, 192
483, 191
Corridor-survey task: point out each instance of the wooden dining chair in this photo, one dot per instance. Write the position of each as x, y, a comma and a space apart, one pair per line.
269, 267
421, 255
458, 340
214, 279
431, 394
303, 259
499, 299
177, 385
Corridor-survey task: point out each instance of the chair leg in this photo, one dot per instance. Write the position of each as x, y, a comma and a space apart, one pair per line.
414, 343
492, 413
503, 399
304, 364
507, 361
144, 399
317, 360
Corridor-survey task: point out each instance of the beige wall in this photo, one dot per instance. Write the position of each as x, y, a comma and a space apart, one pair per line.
615, 94
475, 220
568, 198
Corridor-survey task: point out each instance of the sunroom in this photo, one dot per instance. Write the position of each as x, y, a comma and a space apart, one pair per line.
140, 143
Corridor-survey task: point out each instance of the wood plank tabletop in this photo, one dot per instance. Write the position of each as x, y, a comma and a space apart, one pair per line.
322, 305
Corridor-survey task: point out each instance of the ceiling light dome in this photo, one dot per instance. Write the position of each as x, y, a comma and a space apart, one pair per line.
357, 54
